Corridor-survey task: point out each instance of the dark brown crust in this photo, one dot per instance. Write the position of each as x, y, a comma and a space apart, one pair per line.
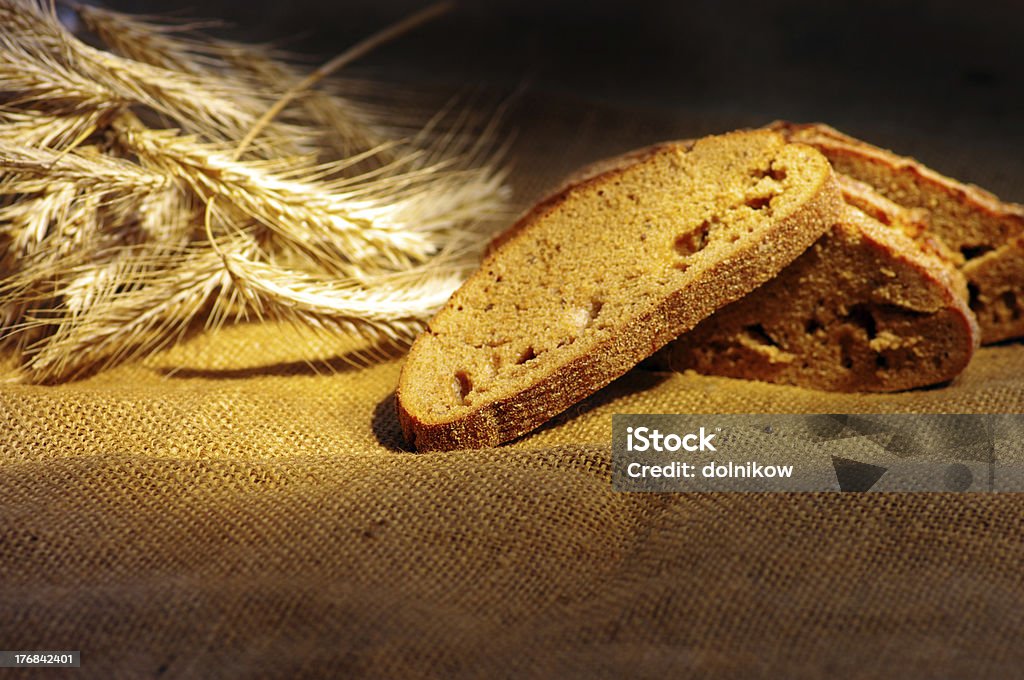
996, 279
494, 422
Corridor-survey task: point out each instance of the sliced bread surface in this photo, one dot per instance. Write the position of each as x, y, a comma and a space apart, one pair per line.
985, 235
864, 309
602, 274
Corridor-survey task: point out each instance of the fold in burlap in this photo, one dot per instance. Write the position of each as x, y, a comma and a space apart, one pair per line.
227, 508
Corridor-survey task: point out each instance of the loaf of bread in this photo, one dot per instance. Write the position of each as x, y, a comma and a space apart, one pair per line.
985, 235
604, 273
864, 309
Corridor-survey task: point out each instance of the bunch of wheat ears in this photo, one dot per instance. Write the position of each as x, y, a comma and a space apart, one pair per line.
169, 182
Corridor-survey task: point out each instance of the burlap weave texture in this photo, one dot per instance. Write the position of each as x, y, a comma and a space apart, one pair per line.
227, 509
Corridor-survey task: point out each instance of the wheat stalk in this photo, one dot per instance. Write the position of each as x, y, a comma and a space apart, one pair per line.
133, 212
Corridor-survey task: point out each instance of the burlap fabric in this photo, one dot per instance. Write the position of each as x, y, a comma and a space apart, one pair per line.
243, 506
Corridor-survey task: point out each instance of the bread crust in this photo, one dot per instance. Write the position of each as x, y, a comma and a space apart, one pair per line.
750, 263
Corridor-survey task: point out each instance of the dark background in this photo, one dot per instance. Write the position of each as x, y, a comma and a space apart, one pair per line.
940, 80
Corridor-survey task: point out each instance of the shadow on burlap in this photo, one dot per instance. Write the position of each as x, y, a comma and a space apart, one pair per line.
244, 504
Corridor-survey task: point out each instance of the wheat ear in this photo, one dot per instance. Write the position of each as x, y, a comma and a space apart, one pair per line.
133, 213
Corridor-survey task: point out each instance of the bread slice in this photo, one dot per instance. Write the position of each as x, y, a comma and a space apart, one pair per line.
913, 222
864, 309
602, 274
985, 234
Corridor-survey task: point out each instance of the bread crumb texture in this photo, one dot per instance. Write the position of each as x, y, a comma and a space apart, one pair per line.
864, 309
602, 274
